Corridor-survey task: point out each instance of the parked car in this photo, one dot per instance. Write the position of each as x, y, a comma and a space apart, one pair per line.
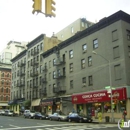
9, 113
29, 114
79, 118
2, 112
25, 111
38, 115
58, 117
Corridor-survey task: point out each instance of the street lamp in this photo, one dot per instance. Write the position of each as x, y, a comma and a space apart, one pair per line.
112, 112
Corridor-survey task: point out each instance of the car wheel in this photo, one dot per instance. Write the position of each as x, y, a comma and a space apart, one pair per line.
50, 119
40, 118
24, 116
59, 119
69, 120
29, 117
80, 120
34, 117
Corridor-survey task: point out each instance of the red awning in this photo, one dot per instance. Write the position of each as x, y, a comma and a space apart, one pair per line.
99, 96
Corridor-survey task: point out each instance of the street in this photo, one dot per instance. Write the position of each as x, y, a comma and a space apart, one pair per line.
20, 123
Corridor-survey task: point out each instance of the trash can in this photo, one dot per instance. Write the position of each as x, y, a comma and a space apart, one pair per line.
107, 118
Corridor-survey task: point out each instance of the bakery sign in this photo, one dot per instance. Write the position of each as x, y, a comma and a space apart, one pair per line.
98, 96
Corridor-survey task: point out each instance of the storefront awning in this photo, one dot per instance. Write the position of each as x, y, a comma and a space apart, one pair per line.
4, 104
36, 102
46, 102
99, 96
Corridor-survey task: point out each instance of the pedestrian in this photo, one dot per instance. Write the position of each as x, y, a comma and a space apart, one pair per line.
124, 114
99, 116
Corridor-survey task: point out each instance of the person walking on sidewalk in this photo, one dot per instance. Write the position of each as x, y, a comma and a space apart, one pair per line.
124, 114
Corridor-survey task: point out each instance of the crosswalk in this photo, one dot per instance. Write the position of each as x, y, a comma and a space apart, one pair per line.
80, 127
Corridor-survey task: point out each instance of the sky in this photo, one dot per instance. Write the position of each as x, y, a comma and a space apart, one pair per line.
19, 24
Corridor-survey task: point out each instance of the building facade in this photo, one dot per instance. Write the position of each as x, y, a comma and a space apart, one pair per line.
12, 49
75, 27
77, 77
27, 74
5, 84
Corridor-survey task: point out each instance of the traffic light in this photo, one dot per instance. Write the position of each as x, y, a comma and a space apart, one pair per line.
49, 8
37, 6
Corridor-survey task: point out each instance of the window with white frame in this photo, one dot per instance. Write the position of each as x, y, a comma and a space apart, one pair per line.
95, 43
82, 63
90, 61
84, 81
71, 54
54, 61
71, 67
84, 48
54, 74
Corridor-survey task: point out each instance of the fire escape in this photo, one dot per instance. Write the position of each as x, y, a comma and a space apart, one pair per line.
34, 73
44, 81
59, 74
21, 79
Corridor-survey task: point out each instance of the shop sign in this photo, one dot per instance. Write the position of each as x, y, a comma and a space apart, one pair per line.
46, 104
99, 96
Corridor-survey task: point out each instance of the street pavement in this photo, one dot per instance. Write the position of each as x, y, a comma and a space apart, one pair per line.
20, 123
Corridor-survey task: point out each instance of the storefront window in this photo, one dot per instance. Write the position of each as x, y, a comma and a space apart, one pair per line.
80, 108
107, 106
121, 105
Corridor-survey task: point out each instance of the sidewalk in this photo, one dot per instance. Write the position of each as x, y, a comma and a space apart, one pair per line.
104, 121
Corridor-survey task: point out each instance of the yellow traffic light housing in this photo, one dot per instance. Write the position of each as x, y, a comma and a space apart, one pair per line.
37, 6
49, 8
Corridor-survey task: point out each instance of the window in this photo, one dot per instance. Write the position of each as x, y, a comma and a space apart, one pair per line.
129, 51
71, 67
61, 35
49, 64
28, 54
28, 63
37, 48
71, 84
2, 89
49, 76
117, 70
8, 75
90, 61
116, 52
90, 80
31, 52
95, 43
40, 68
84, 81
84, 48
40, 80
71, 54
82, 63
41, 46
7, 90
72, 30
40, 58
128, 34
54, 74
7, 82
114, 35
54, 61
49, 89
37, 58
2, 82
6, 98
2, 75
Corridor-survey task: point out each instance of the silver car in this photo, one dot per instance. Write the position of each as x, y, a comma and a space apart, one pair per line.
58, 117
